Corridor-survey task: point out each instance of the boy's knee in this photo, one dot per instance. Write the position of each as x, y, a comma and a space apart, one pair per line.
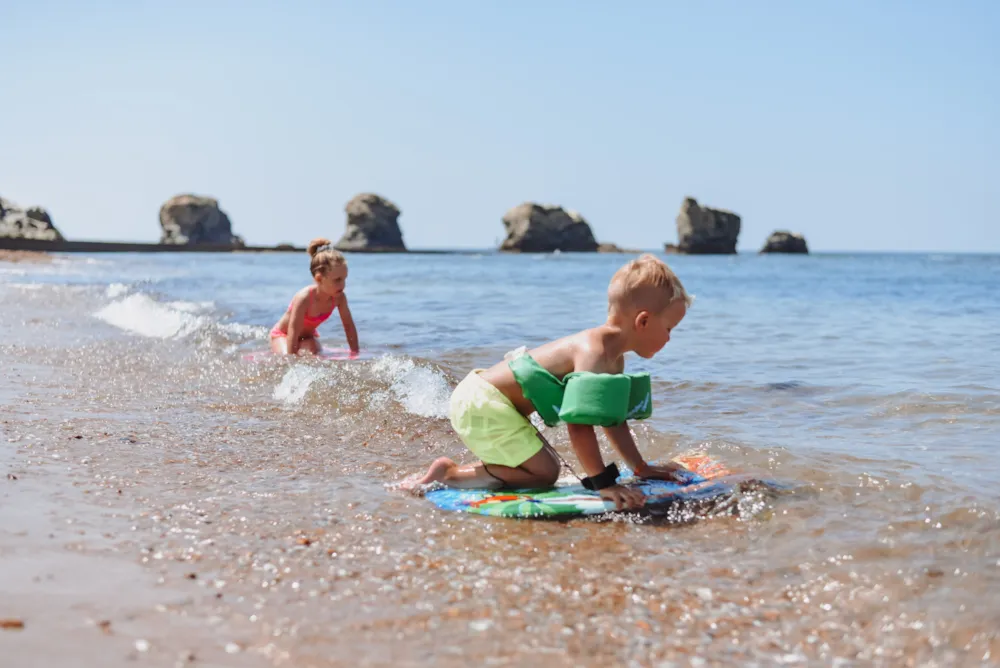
550, 477
549, 474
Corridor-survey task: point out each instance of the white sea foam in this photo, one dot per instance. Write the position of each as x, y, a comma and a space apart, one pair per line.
116, 290
140, 314
191, 307
243, 331
421, 391
296, 383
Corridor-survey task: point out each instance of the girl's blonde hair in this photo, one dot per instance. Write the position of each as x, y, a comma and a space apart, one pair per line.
324, 256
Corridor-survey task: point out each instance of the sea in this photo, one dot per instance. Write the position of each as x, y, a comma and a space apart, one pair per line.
251, 499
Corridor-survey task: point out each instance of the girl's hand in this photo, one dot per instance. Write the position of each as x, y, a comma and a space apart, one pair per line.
623, 497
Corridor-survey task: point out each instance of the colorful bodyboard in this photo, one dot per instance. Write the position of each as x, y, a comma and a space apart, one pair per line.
705, 479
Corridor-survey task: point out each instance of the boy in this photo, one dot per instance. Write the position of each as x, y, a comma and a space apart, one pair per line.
579, 380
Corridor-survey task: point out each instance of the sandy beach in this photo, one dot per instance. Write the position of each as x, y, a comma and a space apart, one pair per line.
164, 496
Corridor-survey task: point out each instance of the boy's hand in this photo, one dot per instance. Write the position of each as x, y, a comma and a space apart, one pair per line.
623, 497
668, 471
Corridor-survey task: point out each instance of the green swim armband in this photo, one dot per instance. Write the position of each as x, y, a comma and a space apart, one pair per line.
606, 400
640, 397
541, 388
583, 397
599, 399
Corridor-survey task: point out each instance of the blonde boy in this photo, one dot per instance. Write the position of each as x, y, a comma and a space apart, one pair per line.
578, 380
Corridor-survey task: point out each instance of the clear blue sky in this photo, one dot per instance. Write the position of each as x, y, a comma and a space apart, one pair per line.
864, 124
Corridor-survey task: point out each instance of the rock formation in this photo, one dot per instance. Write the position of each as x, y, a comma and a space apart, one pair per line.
192, 219
372, 225
705, 231
782, 241
537, 228
32, 223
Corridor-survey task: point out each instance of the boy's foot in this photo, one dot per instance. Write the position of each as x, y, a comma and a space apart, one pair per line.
410, 484
436, 473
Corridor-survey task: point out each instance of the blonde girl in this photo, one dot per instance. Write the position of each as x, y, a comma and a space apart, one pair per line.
313, 304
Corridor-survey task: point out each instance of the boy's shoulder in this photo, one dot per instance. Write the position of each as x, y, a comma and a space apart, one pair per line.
586, 350
592, 353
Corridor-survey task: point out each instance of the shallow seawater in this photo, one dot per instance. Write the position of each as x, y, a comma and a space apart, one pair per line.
866, 385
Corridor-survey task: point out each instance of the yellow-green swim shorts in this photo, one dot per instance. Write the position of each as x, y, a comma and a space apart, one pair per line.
489, 425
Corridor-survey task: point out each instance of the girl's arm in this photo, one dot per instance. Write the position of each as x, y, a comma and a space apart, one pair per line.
350, 330
295, 319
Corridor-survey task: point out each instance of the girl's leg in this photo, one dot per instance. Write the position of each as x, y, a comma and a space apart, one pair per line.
279, 344
310, 344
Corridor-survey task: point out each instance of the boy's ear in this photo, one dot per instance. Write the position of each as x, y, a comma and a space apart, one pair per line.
641, 319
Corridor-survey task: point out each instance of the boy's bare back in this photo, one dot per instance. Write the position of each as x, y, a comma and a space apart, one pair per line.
596, 350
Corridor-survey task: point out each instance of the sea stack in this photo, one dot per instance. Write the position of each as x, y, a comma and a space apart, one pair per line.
540, 228
31, 223
702, 230
372, 225
783, 241
193, 219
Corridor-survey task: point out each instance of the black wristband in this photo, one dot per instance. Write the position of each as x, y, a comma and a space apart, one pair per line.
607, 478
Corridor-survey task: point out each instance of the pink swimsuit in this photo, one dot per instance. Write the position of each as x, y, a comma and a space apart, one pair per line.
309, 322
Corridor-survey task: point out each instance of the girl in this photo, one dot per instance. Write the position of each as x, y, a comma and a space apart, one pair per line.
313, 304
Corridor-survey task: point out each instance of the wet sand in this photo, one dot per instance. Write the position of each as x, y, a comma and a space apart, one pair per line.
196, 546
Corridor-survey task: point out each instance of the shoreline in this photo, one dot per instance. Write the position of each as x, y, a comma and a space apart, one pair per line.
11, 245
33, 250
34, 257
37, 245
16, 245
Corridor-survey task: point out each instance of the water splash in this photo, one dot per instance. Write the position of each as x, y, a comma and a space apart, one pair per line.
420, 390
141, 314
296, 382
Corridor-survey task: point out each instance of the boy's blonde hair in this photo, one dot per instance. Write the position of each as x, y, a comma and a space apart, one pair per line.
647, 284
324, 256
